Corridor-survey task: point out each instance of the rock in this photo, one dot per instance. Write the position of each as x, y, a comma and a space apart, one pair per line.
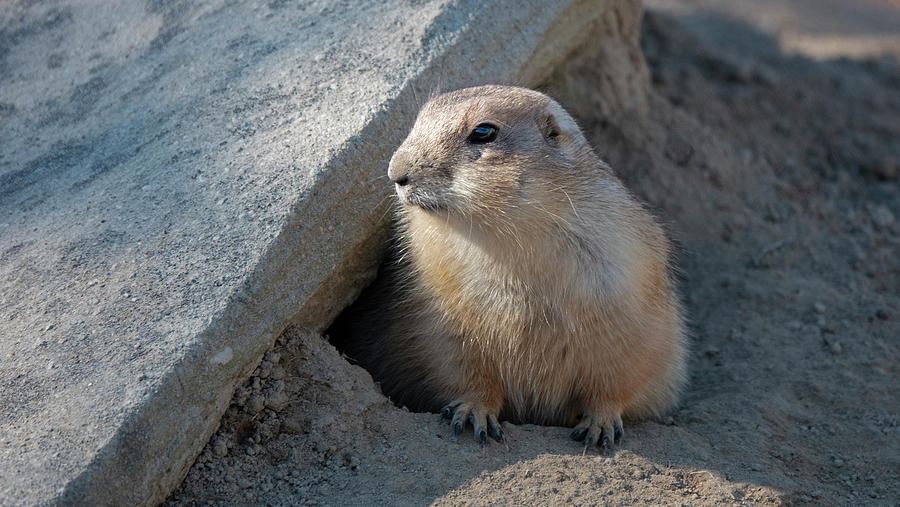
277, 373
882, 217
276, 398
256, 403
835, 348
200, 158
220, 448
265, 368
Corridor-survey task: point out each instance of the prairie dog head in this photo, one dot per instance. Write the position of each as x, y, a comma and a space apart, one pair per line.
488, 151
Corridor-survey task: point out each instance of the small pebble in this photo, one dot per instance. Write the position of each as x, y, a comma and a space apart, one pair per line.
883, 314
220, 448
819, 307
882, 216
256, 403
276, 400
836, 348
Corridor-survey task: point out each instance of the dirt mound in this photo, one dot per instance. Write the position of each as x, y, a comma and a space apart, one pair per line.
777, 177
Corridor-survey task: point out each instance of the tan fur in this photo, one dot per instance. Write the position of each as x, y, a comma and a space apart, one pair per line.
533, 283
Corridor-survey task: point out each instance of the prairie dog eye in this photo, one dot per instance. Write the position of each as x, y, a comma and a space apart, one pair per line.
483, 133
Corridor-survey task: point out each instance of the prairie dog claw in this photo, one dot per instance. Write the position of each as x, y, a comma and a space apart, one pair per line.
484, 423
599, 431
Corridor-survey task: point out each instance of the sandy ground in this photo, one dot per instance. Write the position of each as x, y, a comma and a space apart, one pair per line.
776, 170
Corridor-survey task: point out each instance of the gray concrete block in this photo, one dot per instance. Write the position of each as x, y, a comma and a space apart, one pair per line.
180, 181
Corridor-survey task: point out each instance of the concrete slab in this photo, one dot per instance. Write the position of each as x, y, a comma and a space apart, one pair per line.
178, 181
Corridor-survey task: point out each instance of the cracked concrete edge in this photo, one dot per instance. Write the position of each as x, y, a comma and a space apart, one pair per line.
155, 446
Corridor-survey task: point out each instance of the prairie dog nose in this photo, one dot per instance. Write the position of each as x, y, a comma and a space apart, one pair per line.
400, 179
398, 170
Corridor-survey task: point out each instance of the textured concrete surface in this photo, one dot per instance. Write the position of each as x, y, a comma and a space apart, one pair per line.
179, 181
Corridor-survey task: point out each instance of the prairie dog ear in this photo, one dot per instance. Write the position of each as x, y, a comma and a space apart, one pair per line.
549, 128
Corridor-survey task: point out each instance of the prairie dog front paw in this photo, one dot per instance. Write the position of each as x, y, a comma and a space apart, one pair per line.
484, 421
599, 428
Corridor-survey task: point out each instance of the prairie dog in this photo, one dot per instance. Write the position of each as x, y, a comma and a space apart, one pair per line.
528, 283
